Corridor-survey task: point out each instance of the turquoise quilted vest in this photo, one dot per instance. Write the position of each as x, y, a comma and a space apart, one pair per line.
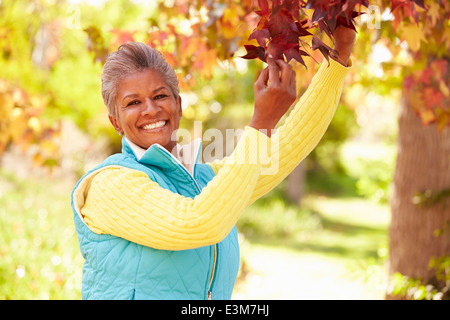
115, 268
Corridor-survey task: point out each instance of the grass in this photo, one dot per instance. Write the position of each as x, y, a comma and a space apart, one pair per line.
39, 256
353, 227
335, 249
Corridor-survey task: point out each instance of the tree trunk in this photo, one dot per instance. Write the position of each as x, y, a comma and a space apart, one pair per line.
295, 183
423, 163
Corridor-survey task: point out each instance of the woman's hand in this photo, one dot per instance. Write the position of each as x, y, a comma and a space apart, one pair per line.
344, 39
275, 91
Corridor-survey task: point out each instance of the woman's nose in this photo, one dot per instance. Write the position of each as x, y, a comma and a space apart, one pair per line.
151, 108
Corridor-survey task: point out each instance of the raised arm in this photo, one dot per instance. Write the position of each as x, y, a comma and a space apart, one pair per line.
307, 122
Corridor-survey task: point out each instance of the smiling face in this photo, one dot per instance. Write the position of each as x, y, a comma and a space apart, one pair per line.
147, 110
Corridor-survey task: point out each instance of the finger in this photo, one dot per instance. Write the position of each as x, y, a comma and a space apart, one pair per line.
286, 71
293, 80
261, 82
274, 71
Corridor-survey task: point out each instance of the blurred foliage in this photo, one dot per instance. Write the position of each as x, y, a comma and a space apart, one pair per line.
430, 198
21, 124
416, 289
39, 255
276, 219
412, 289
326, 156
375, 180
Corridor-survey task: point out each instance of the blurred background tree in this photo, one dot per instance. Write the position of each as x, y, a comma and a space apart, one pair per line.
417, 37
51, 110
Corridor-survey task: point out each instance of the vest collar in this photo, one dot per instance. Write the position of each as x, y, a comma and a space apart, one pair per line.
186, 156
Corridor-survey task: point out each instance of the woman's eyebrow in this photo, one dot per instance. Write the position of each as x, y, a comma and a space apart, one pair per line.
160, 88
130, 96
135, 95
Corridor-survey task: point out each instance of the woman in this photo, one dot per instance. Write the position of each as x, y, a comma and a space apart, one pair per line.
154, 225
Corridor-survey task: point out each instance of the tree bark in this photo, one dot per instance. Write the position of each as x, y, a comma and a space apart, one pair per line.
423, 163
295, 184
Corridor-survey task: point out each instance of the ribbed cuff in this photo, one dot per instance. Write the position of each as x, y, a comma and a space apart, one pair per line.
332, 74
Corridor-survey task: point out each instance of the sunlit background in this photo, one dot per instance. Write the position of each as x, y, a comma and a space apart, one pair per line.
322, 234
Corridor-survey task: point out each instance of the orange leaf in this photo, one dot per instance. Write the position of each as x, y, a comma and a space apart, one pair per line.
443, 118
205, 62
413, 34
427, 117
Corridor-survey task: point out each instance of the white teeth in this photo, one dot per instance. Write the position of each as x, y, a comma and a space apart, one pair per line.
155, 125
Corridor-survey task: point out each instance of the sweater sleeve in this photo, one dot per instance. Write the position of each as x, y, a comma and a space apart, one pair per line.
128, 204
302, 129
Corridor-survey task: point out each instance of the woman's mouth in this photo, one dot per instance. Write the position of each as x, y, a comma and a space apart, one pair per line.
155, 125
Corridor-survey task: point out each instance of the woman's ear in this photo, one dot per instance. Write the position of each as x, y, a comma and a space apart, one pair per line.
116, 124
180, 109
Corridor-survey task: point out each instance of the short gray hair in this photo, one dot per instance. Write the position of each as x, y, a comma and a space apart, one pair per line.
130, 58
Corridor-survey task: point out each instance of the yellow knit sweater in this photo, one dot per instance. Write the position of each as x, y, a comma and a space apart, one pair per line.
126, 203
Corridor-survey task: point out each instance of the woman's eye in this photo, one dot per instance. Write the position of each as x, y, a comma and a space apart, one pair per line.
160, 96
132, 103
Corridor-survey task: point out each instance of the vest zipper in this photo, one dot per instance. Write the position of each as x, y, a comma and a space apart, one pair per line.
184, 169
212, 273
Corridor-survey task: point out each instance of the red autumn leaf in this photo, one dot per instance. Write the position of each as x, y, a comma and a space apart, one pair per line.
122, 36
318, 44
296, 54
329, 15
420, 3
279, 21
408, 6
254, 52
264, 6
409, 82
292, 6
346, 22
433, 98
280, 44
425, 76
302, 31
349, 7
280, 28
397, 3
261, 36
